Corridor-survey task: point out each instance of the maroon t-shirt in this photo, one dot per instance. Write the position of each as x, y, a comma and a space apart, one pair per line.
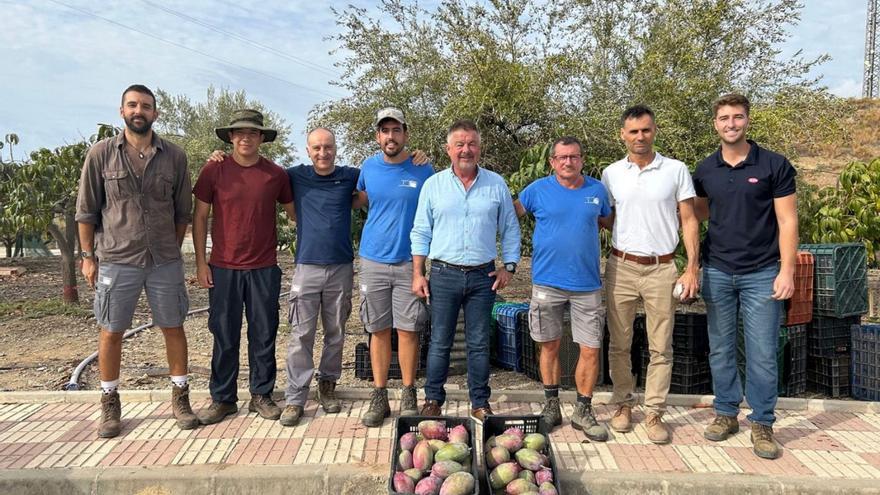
243, 201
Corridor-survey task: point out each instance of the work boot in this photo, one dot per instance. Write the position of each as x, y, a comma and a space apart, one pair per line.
327, 396
721, 428
584, 420
291, 415
431, 408
762, 442
216, 412
621, 422
111, 413
551, 415
379, 408
658, 431
183, 413
409, 405
481, 413
264, 406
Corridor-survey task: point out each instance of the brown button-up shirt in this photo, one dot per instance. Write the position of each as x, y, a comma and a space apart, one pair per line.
135, 218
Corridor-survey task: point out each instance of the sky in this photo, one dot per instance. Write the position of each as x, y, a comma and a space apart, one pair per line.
65, 62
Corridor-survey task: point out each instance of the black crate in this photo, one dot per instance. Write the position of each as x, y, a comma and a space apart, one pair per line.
690, 374
690, 333
363, 366
408, 424
529, 361
495, 425
866, 362
830, 337
636, 348
793, 371
829, 376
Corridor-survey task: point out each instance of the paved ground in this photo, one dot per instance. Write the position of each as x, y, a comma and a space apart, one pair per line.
824, 441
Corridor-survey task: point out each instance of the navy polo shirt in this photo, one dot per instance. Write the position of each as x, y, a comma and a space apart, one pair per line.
743, 232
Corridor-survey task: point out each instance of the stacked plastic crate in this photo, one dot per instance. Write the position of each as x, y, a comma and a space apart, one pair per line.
866, 362
690, 348
506, 351
840, 290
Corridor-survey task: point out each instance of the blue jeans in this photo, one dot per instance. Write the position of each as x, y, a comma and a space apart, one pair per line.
451, 289
750, 294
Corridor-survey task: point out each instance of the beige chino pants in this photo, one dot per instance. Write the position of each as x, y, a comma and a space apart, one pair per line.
625, 283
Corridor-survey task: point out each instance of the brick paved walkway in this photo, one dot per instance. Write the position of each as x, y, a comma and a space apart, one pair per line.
62, 435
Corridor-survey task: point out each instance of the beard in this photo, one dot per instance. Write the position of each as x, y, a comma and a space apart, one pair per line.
136, 128
394, 152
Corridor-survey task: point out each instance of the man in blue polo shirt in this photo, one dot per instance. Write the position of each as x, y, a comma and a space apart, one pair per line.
748, 195
390, 183
462, 210
565, 271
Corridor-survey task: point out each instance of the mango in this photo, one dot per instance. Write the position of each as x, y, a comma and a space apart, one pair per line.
404, 460
535, 441
547, 489
429, 486
490, 442
408, 441
520, 486
516, 431
510, 442
436, 444
433, 430
529, 459
528, 476
496, 456
442, 469
403, 483
415, 474
543, 476
423, 456
453, 452
459, 434
460, 483
503, 474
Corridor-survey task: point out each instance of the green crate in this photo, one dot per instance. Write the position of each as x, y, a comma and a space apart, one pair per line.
840, 283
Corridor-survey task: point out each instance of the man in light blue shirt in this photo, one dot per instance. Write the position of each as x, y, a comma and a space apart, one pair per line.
461, 212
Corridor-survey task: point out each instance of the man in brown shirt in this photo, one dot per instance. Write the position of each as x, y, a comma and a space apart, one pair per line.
133, 207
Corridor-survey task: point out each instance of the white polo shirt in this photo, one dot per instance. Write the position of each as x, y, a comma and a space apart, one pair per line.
646, 204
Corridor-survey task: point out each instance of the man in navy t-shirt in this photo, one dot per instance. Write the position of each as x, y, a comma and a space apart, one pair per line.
567, 207
390, 183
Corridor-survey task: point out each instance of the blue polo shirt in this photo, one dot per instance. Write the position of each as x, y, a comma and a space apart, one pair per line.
323, 214
566, 239
743, 233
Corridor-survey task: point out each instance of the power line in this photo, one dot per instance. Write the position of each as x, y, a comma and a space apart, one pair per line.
293, 58
194, 50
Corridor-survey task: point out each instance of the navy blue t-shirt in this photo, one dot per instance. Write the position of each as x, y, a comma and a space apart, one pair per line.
743, 233
323, 214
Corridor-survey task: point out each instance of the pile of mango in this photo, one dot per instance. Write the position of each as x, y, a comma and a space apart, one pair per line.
435, 461
518, 464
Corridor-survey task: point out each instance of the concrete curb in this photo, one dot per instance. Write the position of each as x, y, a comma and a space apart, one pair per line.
161, 395
367, 480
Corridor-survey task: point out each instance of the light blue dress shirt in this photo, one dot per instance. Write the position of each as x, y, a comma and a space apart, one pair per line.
461, 227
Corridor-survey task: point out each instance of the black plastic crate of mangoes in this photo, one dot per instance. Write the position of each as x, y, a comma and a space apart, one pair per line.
496, 425
407, 424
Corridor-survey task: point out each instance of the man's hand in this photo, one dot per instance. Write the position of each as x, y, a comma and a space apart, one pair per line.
420, 286
420, 158
217, 156
690, 283
502, 278
90, 271
783, 287
206, 279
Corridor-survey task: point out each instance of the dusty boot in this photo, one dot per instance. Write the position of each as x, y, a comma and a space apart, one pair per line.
551, 415
379, 408
264, 406
762, 442
721, 428
183, 413
216, 412
621, 422
431, 408
291, 415
409, 405
111, 413
658, 432
327, 396
583, 419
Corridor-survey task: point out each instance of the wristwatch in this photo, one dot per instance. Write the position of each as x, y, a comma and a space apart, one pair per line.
510, 266
86, 254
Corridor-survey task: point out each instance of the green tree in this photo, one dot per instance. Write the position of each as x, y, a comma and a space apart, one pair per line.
10, 228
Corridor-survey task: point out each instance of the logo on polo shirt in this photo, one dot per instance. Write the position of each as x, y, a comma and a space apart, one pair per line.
408, 183
592, 200
753, 180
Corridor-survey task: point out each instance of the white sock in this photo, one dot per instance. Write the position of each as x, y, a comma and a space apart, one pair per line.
180, 381
109, 387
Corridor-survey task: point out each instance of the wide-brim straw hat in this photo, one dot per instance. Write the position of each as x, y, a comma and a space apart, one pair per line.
246, 119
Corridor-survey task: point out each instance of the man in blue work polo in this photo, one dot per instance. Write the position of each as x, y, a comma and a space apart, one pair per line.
461, 212
748, 195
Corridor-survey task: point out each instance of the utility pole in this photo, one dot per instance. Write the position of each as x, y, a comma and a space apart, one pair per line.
871, 79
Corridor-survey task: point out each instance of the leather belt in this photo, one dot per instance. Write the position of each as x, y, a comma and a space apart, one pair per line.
462, 268
643, 260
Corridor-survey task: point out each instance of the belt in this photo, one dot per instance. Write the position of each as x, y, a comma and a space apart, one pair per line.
643, 260
462, 268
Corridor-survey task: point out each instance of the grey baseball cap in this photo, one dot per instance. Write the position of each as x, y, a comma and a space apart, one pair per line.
389, 113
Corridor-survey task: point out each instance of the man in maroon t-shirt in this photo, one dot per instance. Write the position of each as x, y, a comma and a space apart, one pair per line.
243, 273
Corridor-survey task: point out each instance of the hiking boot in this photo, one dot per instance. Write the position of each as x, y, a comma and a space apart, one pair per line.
409, 405
762, 442
291, 415
327, 396
621, 422
480, 413
216, 412
431, 408
183, 413
111, 412
584, 420
658, 431
264, 406
551, 415
379, 408
721, 428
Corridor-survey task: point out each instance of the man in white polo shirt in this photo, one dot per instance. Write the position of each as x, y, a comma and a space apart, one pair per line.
648, 192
